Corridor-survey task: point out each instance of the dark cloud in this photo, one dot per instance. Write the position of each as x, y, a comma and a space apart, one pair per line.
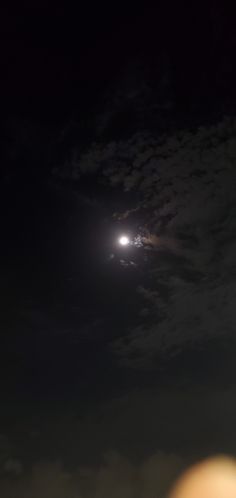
116, 476
184, 200
134, 444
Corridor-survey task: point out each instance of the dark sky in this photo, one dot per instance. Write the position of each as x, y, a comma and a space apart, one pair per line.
117, 363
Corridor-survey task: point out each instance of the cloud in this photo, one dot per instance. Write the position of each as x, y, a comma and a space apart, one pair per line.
183, 188
193, 316
135, 444
47, 480
116, 477
187, 189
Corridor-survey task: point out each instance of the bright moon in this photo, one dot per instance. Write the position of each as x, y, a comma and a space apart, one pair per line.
124, 241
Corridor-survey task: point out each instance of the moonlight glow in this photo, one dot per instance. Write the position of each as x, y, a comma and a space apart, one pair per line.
124, 240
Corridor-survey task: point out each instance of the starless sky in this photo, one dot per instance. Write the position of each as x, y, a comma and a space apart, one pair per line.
117, 362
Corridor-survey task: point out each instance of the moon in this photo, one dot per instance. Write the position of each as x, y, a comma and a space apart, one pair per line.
124, 240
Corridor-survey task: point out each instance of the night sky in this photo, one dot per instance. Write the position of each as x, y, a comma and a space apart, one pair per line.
117, 361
